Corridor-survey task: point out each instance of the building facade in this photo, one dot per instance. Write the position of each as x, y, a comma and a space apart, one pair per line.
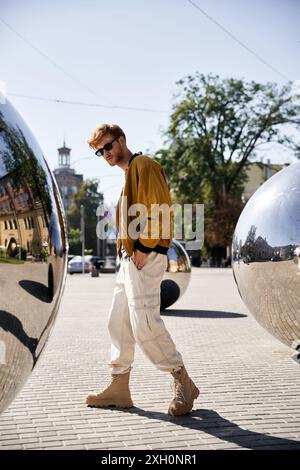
258, 173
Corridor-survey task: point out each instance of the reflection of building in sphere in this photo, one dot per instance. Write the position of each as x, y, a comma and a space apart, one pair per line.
265, 255
177, 276
32, 252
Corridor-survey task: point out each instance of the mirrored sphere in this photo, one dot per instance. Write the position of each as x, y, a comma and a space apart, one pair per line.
33, 252
266, 255
177, 276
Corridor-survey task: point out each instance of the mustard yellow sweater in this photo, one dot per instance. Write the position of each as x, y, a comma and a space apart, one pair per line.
145, 183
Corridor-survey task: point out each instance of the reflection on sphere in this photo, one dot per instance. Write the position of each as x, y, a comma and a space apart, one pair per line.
177, 276
32, 252
266, 255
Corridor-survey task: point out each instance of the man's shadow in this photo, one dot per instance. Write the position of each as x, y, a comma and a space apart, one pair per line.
13, 325
210, 422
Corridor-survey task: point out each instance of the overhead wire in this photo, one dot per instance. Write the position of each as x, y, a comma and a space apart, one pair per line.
82, 103
45, 56
236, 39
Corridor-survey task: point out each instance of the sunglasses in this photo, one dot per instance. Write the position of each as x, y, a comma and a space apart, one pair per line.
107, 147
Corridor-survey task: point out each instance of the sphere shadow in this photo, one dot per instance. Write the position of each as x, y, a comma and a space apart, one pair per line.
36, 289
201, 313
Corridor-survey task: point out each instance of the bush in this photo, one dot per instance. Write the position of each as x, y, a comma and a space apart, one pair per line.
44, 254
23, 253
3, 252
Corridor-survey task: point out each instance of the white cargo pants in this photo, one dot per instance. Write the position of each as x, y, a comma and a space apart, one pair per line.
134, 317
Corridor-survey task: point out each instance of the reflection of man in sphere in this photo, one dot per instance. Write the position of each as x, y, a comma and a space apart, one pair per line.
297, 253
134, 315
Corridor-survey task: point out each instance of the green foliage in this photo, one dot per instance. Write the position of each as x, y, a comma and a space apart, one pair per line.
23, 253
24, 168
74, 241
44, 254
11, 261
3, 252
88, 196
215, 128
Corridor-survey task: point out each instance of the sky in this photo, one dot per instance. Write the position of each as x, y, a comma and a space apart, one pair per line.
130, 54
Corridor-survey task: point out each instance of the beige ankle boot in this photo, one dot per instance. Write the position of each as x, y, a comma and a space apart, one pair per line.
116, 394
185, 393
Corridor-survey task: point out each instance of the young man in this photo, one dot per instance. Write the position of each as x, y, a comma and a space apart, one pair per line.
134, 315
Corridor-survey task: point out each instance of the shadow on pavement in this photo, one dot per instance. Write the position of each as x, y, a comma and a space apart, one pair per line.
201, 314
210, 422
14, 326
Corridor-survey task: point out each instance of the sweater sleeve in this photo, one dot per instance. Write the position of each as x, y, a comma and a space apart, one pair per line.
156, 219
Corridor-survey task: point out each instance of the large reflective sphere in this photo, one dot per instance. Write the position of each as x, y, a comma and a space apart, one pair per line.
177, 276
266, 255
32, 252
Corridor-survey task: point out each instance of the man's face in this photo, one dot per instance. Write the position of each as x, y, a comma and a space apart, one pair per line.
115, 154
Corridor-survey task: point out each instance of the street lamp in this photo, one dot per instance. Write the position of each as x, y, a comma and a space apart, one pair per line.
82, 235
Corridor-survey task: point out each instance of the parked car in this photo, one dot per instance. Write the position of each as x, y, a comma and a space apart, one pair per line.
98, 262
104, 265
75, 265
276, 257
109, 265
195, 257
227, 262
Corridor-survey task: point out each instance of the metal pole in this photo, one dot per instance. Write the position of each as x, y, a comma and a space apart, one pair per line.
98, 237
82, 235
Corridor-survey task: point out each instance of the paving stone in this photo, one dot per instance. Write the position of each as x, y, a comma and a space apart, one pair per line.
250, 388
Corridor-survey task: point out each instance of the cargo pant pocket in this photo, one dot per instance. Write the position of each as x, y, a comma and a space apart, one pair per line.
145, 314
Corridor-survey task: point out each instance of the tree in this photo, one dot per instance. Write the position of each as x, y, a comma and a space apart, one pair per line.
74, 241
90, 198
24, 168
215, 128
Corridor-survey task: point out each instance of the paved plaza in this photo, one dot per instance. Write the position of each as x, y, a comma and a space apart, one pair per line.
249, 386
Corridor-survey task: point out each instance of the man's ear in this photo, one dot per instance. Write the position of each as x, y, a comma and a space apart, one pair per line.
122, 141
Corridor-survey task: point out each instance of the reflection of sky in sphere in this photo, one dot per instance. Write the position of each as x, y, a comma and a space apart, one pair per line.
14, 118
2, 168
3, 148
172, 254
274, 210
16, 123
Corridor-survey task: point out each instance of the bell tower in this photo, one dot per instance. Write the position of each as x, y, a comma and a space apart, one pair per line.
64, 156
